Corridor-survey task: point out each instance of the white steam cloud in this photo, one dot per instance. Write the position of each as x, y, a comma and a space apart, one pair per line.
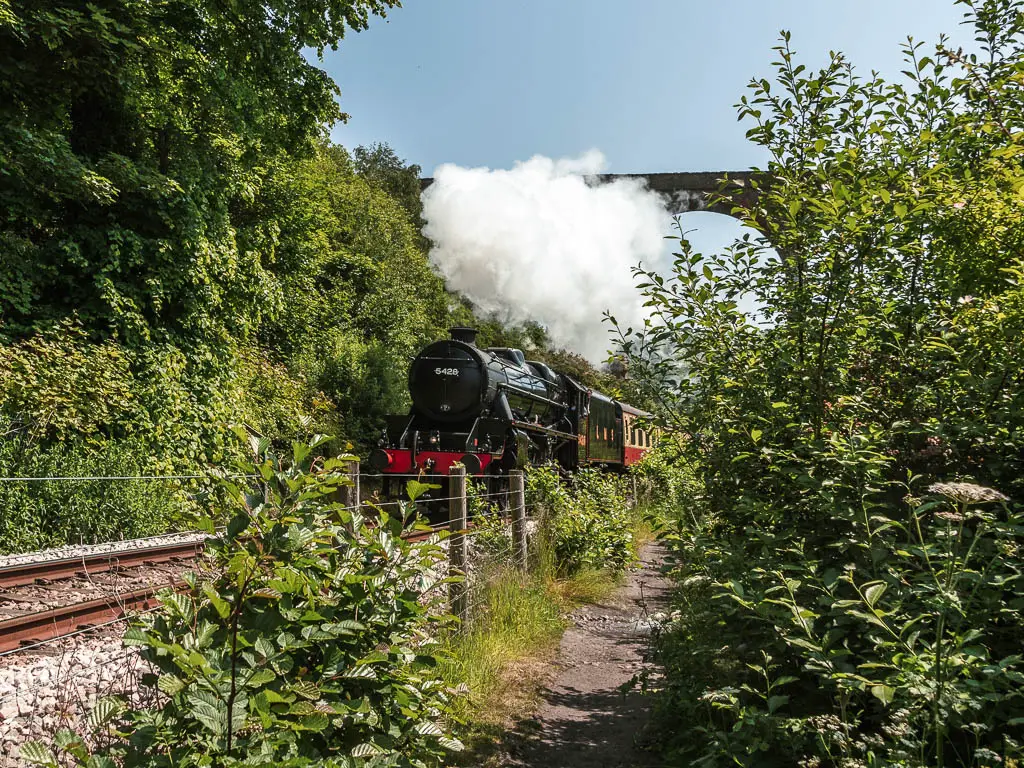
545, 242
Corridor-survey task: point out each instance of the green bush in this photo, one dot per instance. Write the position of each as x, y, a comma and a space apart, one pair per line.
586, 521
366, 378
71, 407
52, 513
277, 402
666, 485
850, 581
58, 382
893, 646
305, 641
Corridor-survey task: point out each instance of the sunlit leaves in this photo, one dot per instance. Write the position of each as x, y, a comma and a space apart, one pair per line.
880, 360
266, 646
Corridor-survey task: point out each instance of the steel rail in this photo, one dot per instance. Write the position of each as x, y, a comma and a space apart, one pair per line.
64, 620
54, 623
23, 574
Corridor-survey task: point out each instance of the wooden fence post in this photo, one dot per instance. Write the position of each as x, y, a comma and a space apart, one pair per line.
517, 489
457, 541
350, 493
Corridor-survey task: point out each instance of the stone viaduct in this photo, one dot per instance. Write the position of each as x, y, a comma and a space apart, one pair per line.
685, 192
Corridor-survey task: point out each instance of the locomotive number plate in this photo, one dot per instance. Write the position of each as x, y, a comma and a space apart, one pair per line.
446, 371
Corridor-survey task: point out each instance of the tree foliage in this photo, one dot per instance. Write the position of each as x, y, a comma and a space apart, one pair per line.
182, 248
838, 611
132, 134
379, 165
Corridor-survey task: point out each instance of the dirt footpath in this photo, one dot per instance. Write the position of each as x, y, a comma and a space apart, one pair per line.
585, 720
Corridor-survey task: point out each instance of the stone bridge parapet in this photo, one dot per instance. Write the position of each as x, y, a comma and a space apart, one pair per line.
692, 191
686, 191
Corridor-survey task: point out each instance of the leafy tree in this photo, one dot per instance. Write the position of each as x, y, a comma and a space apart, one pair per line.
866, 619
130, 135
356, 292
380, 165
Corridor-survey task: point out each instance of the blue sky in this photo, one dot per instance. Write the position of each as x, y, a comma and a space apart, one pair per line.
650, 83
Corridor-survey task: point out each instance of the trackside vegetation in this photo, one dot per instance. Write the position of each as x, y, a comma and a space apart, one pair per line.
183, 249
848, 385
311, 636
308, 637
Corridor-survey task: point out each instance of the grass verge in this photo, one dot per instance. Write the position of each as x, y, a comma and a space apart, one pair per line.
503, 660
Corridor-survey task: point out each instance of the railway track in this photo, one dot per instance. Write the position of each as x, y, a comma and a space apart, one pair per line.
56, 621
21, 574
109, 582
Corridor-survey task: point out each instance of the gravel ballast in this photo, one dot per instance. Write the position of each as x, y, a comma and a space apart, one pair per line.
55, 686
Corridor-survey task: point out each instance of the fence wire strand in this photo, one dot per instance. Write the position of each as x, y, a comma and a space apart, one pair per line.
476, 563
96, 478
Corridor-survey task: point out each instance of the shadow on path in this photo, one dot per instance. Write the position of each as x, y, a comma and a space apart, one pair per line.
585, 719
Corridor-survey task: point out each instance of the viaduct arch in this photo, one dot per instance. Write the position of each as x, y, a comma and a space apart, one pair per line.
685, 192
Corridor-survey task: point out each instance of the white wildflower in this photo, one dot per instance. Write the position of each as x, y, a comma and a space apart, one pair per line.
966, 493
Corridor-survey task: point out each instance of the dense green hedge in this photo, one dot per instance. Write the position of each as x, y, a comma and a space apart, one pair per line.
850, 574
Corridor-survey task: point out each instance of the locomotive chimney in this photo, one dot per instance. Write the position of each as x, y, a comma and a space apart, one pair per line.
463, 334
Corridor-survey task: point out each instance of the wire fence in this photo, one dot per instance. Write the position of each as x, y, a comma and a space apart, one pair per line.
96, 478
472, 546
93, 518
491, 551
481, 528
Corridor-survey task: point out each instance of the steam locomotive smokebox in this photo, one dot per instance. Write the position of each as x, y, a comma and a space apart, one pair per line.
448, 380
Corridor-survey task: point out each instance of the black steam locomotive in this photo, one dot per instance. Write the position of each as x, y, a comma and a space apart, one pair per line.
493, 410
